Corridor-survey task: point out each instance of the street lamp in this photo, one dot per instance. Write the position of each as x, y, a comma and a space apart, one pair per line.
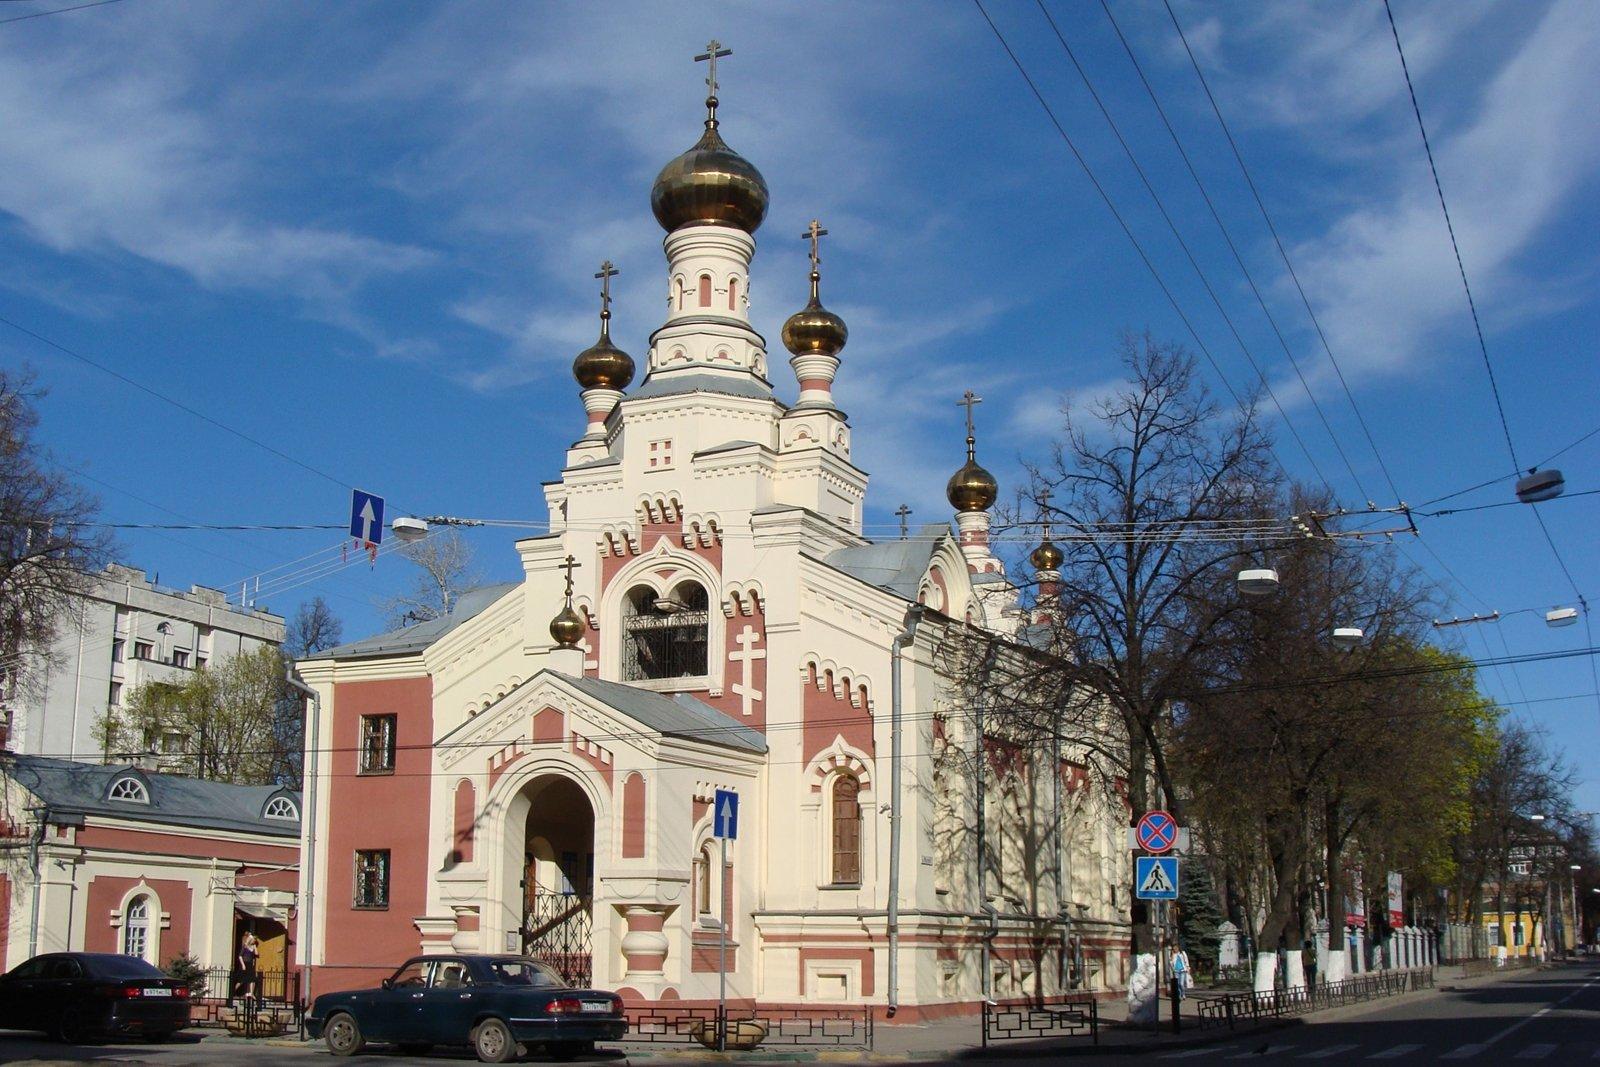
1539, 485
1257, 581
1559, 617
1346, 637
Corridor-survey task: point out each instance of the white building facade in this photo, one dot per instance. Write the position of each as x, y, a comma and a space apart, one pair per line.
133, 632
536, 771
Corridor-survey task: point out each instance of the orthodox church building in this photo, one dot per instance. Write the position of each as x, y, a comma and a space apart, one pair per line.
535, 772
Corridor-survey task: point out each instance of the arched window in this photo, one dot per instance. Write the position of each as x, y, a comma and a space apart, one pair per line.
129, 789
136, 928
280, 808
703, 866
679, 283
733, 294
846, 830
665, 636
705, 290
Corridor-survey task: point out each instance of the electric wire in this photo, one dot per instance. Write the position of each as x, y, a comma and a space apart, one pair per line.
1272, 228
58, 11
1200, 273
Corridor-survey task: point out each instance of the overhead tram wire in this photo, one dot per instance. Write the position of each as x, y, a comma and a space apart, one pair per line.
1105, 112
58, 11
1272, 228
1121, 222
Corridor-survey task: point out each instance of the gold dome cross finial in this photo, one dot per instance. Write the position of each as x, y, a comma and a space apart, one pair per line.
969, 400
814, 233
607, 271
714, 51
569, 566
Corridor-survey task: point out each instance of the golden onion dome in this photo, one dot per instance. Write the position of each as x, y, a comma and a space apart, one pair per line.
710, 184
567, 627
1047, 557
814, 330
972, 488
603, 365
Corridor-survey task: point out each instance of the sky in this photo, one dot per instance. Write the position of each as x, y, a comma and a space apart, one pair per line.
354, 245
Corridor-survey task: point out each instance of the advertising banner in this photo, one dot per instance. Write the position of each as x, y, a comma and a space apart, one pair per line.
1397, 904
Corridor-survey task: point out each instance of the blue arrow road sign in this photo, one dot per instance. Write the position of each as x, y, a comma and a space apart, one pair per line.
366, 517
725, 820
1155, 878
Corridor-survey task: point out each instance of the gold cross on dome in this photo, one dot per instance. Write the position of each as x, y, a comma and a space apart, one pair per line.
902, 511
569, 566
814, 233
714, 51
607, 272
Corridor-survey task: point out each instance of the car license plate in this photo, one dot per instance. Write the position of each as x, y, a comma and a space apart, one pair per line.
156, 992
596, 1006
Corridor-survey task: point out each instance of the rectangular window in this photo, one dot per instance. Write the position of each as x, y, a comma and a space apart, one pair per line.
118, 647
377, 744
115, 699
200, 663
372, 878
144, 650
180, 658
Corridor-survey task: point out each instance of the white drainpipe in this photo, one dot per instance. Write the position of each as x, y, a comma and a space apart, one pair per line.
896, 650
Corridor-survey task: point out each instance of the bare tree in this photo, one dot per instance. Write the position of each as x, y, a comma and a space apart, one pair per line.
445, 570
48, 552
314, 628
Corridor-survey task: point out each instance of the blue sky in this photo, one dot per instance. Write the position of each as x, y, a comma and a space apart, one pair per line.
366, 234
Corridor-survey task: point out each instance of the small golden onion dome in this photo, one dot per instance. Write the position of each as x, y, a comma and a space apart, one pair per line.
567, 627
603, 365
972, 488
1047, 557
710, 183
814, 330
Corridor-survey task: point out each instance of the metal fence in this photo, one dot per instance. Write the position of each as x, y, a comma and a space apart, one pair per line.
1230, 1009
1065, 1017
750, 1027
266, 1006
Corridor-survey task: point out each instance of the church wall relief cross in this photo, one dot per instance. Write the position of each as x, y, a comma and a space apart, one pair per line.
745, 689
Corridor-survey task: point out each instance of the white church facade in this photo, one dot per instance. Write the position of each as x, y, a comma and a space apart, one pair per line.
535, 771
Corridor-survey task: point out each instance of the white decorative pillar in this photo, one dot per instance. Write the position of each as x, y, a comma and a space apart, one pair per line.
644, 946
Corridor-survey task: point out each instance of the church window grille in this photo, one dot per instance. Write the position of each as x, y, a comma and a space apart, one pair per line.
665, 637
733, 294
281, 808
372, 878
131, 790
846, 831
705, 290
377, 744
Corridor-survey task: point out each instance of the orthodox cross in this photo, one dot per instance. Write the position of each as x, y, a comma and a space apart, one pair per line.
714, 51
607, 272
902, 511
814, 233
968, 400
569, 566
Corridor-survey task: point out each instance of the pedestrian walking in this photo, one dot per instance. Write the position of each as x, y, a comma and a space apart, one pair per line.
1181, 971
244, 975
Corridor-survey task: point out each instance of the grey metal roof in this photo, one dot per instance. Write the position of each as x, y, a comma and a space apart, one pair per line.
690, 382
729, 446
421, 635
71, 788
678, 715
897, 566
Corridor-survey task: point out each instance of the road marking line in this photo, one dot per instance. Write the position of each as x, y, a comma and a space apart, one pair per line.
1331, 1050
1394, 1053
1536, 1052
1264, 1050
1465, 1052
1204, 1051
1520, 1023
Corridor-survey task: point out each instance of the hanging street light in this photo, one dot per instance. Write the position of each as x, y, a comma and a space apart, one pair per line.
1539, 485
409, 529
1558, 617
1346, 637
1257, 581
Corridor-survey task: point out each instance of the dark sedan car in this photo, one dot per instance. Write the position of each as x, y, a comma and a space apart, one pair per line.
80, 995
494, 1004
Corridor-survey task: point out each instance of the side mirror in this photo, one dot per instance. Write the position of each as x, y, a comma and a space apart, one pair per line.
388, 983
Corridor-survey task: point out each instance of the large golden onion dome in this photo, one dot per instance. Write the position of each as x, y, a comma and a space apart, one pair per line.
710, 184
1047, 557
567, 627
603, 365
814, 330
972, 488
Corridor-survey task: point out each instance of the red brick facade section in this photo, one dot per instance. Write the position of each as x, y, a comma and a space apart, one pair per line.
106, 896
634, 806
829, 716
198, 846
466, 817
378, 811
549, 725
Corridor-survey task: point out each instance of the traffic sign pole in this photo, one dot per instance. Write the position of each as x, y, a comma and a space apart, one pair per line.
722, 951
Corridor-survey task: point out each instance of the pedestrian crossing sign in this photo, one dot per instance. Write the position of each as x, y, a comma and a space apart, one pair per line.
1155, 878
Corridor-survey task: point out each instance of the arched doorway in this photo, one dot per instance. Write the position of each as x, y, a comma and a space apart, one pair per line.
558, 877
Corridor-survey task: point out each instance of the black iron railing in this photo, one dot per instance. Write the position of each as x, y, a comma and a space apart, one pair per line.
1231, 1009
1077, 1016
559, 930
743, 1028
254, 1004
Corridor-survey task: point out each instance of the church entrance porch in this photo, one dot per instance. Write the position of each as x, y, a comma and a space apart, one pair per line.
558, 878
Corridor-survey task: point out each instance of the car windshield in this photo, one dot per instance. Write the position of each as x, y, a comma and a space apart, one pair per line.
525, 972
121, 967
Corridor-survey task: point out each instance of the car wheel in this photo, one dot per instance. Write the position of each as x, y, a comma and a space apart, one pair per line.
493, 1043
69, 1026
343, 1035
567, 1050
414, 1048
